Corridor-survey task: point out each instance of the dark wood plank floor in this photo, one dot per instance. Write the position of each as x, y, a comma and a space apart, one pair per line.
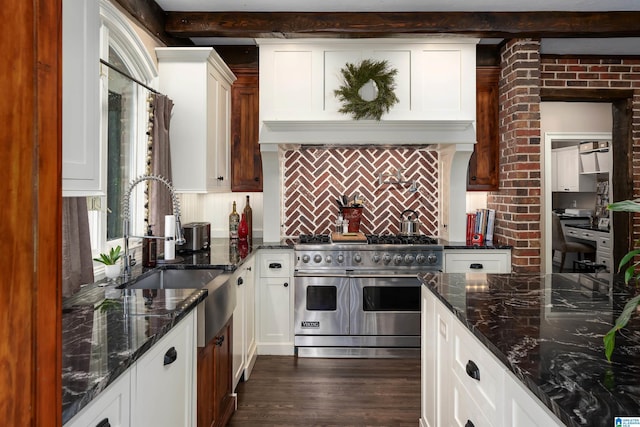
287, 391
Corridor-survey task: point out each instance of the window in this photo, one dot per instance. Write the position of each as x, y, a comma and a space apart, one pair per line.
124, 120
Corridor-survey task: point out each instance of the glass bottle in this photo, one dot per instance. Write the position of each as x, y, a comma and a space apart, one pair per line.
248, 213
234, 220
243, 229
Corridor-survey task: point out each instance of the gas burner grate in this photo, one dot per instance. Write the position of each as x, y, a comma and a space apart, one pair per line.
396, 239
314, 238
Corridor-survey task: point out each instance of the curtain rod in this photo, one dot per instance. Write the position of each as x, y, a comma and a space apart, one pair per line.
102, 61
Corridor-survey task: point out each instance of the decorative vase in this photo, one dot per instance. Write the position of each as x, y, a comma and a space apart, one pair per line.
112, 271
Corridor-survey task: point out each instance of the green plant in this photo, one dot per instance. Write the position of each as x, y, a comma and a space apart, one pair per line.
111, 258
629, 274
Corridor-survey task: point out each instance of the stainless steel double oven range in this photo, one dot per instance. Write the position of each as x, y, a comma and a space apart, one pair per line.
360, 299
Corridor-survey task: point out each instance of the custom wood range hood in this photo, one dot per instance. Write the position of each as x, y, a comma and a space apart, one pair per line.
435, 86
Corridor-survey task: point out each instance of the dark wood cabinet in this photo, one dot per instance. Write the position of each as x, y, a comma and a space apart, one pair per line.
246, 162
215, 401
483, 172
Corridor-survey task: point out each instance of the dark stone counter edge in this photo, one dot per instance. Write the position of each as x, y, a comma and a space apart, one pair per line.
530, 385
462, 245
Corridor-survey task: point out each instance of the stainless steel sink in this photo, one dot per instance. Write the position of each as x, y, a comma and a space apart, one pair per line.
220, 301
175, 279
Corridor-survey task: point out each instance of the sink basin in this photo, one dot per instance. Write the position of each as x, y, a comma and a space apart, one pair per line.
175, 279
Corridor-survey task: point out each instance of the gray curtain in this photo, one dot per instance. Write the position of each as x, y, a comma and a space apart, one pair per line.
159, 162
77, 265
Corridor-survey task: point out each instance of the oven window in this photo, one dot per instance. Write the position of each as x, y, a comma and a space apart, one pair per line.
322, 298
391, 298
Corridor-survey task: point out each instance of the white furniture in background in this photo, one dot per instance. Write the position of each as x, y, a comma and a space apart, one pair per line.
464, 384
244, 321
477, 260
566, 171
199, 83
81, 166
158, 389
601, 239
274, 305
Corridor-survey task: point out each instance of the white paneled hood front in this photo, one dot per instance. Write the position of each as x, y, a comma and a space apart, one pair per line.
435, 86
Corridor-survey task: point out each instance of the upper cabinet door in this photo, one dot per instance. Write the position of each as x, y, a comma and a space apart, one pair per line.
81, 165
484, 164
199, 83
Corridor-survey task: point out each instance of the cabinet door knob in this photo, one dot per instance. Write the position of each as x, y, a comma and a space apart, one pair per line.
240, 281
472, 370
476, 266
286, 284
219, 340
170, 356
473, 178
104, 423
256, 179
469, 424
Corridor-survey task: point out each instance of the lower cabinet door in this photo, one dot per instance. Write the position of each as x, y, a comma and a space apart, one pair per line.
163, 384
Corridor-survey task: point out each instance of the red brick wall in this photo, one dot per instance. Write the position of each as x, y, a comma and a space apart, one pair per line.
524, 71
518, 202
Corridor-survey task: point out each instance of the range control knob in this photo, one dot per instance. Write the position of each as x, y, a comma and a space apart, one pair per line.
421, 259
397, 259
432, 258
375, 258
340, 258
328, 259
317, 258
408, 259
305, 258
386, 259
357, 258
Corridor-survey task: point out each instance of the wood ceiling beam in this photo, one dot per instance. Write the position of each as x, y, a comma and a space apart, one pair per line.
152, 17
388, 24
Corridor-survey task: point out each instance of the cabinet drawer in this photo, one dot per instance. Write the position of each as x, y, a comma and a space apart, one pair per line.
588, 235
111, 405
604, 242
477, 371
476, 261
573, 232
465, 411
276, 264
604, 260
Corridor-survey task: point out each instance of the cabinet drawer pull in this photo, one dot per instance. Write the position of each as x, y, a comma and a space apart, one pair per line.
476, 266
221, 178
170, 356
469, 424
286, 285
472, 370
104, 423
275, 265
240, 281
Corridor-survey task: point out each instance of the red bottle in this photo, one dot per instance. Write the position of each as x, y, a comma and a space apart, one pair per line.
243, 228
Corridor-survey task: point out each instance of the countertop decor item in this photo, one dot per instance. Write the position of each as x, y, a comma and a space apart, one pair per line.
376, 77
111, 258
629, 274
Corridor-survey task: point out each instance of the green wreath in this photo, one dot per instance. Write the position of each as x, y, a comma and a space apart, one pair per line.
354, 77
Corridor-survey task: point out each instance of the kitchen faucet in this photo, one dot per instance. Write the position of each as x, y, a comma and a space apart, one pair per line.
126, 218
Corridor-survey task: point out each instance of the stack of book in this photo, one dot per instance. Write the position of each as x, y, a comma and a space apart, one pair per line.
480, 225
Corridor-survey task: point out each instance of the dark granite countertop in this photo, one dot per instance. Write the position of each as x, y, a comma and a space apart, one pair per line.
106, 329
464, 245
548, 330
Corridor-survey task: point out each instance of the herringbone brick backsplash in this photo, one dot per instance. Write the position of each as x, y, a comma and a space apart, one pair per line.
315, 177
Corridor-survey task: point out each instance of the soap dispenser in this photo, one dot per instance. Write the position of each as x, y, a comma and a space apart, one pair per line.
149, 249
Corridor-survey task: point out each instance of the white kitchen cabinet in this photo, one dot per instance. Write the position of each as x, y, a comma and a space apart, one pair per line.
464, 384
163, 382
275, 302
81, 165
199, 83
566, 176
111, 406
244, 332
477, 260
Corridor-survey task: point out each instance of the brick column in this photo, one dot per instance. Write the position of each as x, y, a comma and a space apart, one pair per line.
518, 202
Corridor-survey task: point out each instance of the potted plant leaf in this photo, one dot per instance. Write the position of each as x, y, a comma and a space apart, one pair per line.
110, 261
629, 274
